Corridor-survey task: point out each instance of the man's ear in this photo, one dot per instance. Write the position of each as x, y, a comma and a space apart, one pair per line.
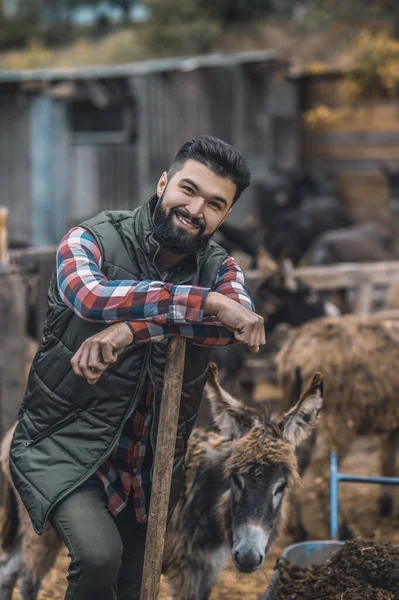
162, 183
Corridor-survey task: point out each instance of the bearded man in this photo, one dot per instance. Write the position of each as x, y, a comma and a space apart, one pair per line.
82, 453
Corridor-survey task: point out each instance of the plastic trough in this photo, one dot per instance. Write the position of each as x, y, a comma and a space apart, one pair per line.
303, 554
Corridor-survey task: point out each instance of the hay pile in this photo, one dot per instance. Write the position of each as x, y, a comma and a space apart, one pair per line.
358, 357
359, 571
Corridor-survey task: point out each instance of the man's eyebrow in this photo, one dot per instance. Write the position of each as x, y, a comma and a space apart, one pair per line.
195, 186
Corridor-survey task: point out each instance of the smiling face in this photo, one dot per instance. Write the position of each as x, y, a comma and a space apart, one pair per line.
193, 204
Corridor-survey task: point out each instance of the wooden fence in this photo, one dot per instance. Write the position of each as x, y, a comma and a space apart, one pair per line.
362, 278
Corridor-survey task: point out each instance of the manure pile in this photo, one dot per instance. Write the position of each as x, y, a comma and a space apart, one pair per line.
359, 571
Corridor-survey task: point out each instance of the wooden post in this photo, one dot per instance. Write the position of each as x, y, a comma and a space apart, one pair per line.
166, 440
3, 235
364, 298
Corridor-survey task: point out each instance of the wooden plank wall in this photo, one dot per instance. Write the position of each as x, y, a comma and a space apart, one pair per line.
364, 136
353, 141
354, 136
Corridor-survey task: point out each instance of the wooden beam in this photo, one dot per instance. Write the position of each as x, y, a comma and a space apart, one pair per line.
343, 275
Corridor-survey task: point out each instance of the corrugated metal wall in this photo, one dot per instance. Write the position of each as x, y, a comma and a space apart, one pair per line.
15, 164
102, 177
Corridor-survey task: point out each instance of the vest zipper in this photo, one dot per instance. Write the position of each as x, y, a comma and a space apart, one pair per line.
91, 472
54, 428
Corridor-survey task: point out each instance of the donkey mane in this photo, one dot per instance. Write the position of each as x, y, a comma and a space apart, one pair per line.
261, 448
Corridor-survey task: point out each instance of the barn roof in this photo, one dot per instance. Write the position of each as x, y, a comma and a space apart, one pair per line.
185, 63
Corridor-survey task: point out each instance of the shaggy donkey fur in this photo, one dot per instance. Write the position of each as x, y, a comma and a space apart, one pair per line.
232, 498
235, 483
360, 358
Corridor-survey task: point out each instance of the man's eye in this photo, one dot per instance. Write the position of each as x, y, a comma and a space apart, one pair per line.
215, 205
188, 189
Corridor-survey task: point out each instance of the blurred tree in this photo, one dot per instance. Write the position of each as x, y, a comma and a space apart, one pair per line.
224, 11
26, 10
235, 11
125, 5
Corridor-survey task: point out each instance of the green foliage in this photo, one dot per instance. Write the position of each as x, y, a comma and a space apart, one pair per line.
178, 27
193, 26
375, 66
16, 32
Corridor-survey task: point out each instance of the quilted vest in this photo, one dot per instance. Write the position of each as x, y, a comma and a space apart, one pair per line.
66, 427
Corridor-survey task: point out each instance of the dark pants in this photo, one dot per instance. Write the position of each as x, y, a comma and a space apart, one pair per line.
107, 552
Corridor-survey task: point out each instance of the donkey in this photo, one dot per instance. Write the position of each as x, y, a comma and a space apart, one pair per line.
235, 489
232, 499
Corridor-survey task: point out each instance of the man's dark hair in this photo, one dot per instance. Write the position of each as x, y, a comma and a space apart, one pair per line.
220, 157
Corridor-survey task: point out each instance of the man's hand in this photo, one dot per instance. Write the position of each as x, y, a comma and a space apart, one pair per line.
101, 350
247, 326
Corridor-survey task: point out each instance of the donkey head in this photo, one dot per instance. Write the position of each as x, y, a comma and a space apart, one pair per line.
260, 467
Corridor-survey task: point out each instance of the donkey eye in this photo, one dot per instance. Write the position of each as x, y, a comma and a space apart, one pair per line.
280, 488
238, 481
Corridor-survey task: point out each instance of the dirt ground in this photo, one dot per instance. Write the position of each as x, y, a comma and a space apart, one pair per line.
359, 502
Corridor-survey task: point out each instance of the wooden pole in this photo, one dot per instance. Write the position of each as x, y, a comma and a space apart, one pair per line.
364, 298
166, 440
3, 235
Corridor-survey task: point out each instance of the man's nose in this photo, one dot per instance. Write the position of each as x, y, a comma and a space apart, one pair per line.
196, 207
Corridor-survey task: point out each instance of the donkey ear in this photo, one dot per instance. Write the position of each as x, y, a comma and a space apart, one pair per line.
229, 414
298, 422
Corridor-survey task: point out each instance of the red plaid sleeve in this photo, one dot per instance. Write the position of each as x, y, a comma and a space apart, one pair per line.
85, 289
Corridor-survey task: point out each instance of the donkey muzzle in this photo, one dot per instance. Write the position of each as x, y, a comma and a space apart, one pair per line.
249, 548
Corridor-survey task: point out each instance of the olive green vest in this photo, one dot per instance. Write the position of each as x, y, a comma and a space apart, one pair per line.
67, 428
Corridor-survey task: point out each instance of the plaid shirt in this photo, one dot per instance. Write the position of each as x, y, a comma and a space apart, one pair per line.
154, 310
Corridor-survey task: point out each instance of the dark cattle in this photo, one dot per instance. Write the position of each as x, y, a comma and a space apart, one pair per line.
294, 209
243, 239
292, 232
283, 298
363, 243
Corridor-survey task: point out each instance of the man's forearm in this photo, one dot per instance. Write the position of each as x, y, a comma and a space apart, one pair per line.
209, 333
213, 303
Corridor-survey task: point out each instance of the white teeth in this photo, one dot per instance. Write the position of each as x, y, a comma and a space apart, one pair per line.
183, 220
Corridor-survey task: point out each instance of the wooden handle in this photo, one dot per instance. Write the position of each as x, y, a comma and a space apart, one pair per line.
3, 234
163, 467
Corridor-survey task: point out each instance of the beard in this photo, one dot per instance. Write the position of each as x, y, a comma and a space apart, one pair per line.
172, 238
